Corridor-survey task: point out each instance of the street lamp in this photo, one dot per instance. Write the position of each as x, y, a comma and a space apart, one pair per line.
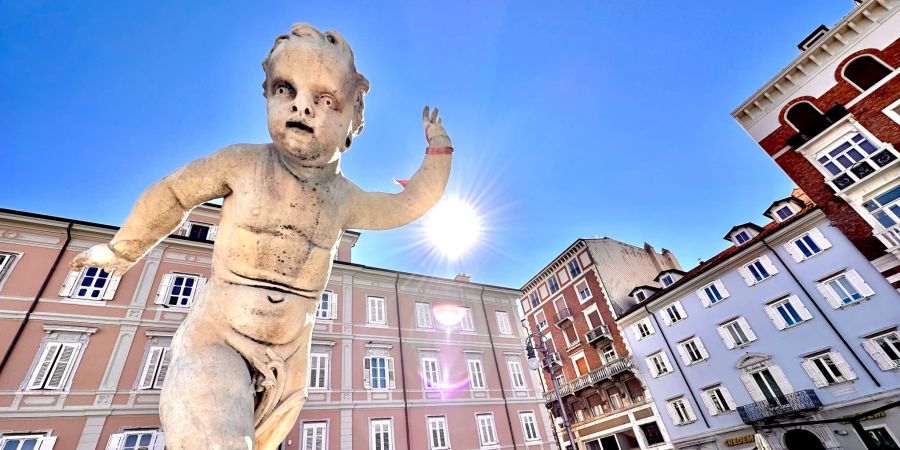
533, 363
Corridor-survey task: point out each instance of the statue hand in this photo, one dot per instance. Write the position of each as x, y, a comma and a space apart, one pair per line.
434, 130
102, 256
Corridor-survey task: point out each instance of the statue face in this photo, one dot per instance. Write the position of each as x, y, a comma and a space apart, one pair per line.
310, 97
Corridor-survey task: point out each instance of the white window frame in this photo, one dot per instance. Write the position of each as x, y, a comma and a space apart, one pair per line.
431, 372
741, 237
117, 440
476, 373
781, 381
54, 366
854, 145
438, 433
875, 346
42, 441
680, 411
667, 280
659, 364
778, 317
516, 374
8, 261
166, 290
750, 270
643, 329
381, 354
687, 353
466, 319
310, 431
729, 338
608, 357
326, 309
376, 310
795, 247
828, 365
504, 327
893, 111
707, 294
72, 285
553, 284
385, 427
529, 426
541, 324
835, 298
585, 294
670, 311
319, 362
424, 315
155, 368
487, 430
718, 400
574, 263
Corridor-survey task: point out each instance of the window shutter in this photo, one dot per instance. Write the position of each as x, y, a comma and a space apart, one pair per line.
746, 275
673, 414
747, 330
184, 229
707, 401
112, 285
800, 307
665, 358
46, 443
390, 370
842, 365
68, 285
684, 354
813, 372
332, 305
702, 349
652, 366
163, 367
773, 313
636, 332
795, 252
563, 277
153, 358
164, 284
211, 234
782, 380
680, 310
690, 410
727, 396
829, 295
704, 299
884, 362
665, 316
726, 336
767, 263
63, 366
115, 441
721, 287
752, 388
43, 367
367, 372
159, 441
819, 239
859, 283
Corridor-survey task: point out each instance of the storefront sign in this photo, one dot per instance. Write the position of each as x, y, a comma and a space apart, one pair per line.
740, 440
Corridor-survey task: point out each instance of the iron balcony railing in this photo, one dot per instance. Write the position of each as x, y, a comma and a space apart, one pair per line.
782, 405
890, 238
562, 315
879, 160
607, 371
598, 334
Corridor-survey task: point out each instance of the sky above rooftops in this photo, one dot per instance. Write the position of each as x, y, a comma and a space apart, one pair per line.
578, 120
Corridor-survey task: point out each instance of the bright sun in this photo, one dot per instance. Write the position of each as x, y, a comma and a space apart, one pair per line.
452, 226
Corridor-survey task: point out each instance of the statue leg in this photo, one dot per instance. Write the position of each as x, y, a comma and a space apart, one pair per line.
207, 398
275, 427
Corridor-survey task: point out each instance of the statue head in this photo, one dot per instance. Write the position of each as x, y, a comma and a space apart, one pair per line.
314, 95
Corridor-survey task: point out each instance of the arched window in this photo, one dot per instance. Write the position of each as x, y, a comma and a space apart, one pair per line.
865, 71
804, 117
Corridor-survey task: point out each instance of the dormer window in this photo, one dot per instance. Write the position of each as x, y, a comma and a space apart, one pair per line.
780, 210
743, 233
668, 277
642, 293
666, 280
640, 296
741, 237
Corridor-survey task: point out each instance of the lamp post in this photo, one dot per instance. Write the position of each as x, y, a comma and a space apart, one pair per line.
548, 363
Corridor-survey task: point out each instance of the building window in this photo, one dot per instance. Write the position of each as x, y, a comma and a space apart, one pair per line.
652, 433
382, 435
608, 354
718, 400
476, 374
666, 280
736, 333
581, 365
882, 438
54, 366
90, 283
865, 71
807, 245
553, 284
540, 320
804, 117
658, 364
828, 368
885, 208
784, 212
431, 373
378, 372
712, 293
27, 442
673, 313
155, 368
503, 325
681, 412
769, 385
437, 433
318, 370
486, 432
529, 426
574, 268
584, 291
741, 237
515, 373
376, 311
178, 289
6, 263
692, 351
535, 300
885, 350
198, 231
424, 315
467, 321
642, 329
787, 312
844, 289
841, 158
571, 335
314, 436
757, 271
136, 440
640, 296
327, 308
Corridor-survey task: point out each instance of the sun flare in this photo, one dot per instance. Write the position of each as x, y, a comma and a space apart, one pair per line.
453, 226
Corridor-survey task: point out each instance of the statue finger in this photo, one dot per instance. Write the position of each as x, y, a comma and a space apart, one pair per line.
425, 114
434, 115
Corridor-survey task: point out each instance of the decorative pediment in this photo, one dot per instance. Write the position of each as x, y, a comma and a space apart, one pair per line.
752, 360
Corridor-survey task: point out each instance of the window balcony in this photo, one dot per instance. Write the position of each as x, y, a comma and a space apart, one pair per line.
553, 361
598, 335
563, 315
783, 405
879, 160
594, 377
816, 127
890, 238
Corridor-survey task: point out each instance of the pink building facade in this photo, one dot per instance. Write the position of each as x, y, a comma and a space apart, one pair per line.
398, 360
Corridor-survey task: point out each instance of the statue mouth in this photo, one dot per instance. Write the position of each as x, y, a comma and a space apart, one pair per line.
299, 126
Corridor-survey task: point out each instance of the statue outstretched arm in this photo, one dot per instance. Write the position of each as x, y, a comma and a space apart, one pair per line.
161, 209
380, 210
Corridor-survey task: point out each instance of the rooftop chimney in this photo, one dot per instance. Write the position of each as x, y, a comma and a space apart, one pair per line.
462, 277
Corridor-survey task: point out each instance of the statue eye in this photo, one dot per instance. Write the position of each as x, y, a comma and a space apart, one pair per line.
284, 89
331, 39
328, 101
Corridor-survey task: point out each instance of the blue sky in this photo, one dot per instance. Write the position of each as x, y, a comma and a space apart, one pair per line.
606, 118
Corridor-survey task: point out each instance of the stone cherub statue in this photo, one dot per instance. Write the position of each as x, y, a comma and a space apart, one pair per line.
238, 373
